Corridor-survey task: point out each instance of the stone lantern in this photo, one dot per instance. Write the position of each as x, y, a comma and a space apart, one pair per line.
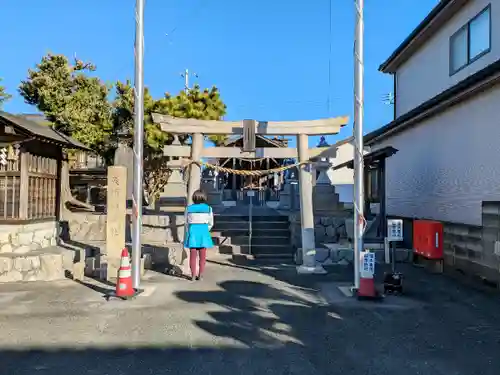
323, 165
325, 199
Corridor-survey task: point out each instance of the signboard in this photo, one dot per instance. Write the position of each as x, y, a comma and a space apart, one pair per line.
250, 193
367, 264
394, 230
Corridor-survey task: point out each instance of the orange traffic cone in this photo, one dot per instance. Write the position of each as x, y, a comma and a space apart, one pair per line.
124, 288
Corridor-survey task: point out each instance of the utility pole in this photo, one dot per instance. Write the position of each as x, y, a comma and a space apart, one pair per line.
185, 75
359, 196
138, 144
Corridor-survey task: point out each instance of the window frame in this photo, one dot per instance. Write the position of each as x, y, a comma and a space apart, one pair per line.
466, 28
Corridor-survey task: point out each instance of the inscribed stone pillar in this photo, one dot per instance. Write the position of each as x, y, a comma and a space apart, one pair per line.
124, 157
194, 169
116, 215
306, 211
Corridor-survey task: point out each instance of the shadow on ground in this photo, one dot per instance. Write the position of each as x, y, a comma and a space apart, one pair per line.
259, 327
447, 328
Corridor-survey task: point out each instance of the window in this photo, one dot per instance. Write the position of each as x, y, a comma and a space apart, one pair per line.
471, 42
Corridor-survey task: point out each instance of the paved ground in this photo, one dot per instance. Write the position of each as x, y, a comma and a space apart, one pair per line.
249, 321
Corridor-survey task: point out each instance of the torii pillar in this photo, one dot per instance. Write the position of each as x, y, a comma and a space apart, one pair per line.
194, 182
306, 210
300, 129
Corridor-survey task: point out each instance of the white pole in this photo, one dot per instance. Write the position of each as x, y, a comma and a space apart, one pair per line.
359, 201
138, 143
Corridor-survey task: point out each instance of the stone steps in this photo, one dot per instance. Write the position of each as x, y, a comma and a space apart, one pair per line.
255, 218
256, 251
270, 236
256, 225
256, 240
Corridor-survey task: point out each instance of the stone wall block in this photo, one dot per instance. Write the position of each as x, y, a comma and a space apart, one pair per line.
35, 262
11, 276
5, 237
6, 248
22, 264
319, 233
326, 221
5, 264
51, 267
40, 235
25, 238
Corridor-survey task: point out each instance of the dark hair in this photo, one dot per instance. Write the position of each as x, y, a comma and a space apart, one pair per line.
199, 196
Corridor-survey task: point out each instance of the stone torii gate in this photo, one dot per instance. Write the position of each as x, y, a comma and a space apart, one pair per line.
301, 129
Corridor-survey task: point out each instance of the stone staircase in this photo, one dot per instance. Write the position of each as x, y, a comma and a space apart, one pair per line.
270, 237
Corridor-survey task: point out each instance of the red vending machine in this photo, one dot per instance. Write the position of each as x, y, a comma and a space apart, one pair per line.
428, 239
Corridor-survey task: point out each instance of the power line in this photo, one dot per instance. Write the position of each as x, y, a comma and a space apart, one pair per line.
287, 102
194, 12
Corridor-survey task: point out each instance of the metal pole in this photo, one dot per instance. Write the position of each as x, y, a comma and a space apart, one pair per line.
138, 143
359, 221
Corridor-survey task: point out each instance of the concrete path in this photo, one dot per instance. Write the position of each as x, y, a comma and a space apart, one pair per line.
245, 320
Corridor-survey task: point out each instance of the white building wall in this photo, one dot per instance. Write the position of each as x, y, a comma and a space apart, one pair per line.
447, 165
427, 73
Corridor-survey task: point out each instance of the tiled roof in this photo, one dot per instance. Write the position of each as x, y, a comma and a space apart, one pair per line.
35, 128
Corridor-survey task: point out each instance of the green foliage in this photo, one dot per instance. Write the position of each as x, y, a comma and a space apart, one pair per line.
202, 105
4, 96
123, 115
76, 103
206, 105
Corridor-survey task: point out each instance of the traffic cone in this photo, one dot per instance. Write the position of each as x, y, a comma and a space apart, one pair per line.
367, 288
124, 288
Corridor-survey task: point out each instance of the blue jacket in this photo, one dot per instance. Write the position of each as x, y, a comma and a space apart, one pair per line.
199, 222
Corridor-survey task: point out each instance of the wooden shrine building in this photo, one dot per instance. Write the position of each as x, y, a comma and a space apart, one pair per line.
234, 183
31, 158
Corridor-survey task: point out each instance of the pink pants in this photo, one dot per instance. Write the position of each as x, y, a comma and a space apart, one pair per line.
193, 255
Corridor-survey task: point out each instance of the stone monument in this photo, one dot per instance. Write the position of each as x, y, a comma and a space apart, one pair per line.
124, 156
115, 225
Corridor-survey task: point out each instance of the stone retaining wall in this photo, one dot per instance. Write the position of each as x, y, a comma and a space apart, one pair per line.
47, 264
161, 237
23, 238
156, 229
327, 229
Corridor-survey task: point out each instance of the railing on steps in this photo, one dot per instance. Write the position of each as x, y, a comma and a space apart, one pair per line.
260, 198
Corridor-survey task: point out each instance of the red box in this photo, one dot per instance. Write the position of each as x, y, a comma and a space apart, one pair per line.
428, 239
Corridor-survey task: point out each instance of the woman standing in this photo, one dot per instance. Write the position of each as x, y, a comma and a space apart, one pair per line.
200, 220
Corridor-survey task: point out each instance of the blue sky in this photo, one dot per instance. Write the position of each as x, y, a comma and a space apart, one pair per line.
268, 57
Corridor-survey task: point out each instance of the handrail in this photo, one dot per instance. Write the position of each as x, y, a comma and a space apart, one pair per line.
250, 222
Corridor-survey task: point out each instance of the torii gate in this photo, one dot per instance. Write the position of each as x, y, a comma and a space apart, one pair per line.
301, 129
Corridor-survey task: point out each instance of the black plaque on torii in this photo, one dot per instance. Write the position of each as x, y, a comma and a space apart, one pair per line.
249, 135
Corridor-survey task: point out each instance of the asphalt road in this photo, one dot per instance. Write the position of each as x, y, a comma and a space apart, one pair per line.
243, 320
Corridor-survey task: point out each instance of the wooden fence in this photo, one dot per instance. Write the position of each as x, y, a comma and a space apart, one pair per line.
28, 188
